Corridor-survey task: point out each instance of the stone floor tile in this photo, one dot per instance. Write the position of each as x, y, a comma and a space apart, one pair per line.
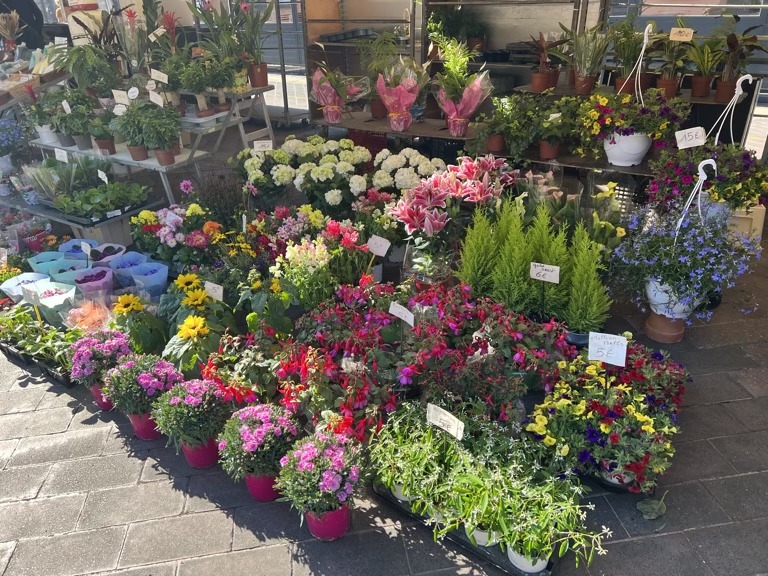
58, 447
271, 561
706, 337
696, 460
164, 463
754, 380
6, 550
727, 359
371, 512
706, 421
58, 396
174, 538
267, 524
168, 569
214, 491
27, 380
6, 449
743, 497
132, 504
92, 474
122, 440
90, 416
712, 389
752, 414
603, 515
38, 423
40, 517
12, 375
746, 452
659, 556
22, 483
67, 555
735, 549
20, 401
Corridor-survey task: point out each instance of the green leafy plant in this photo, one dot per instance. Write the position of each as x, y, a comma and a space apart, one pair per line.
89, 65
671, 53
252, 35
221, 75
478, 255
510, 118
131, 124
146, 331
174, 67
555, 123
96, 202
512, 283
588, 304
738, 48
542, 49
161, 127
223, 36
706, 56
100, 125
455, 76
589, 49
627, 44
378, 54
138, 381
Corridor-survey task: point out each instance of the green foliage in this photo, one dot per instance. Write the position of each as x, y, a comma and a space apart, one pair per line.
379, 54
194, 77
252, 35
706, 55
146, 332
99, 127
627, 44
478, 255
589, 47
122, 386
588, 302
161, 126
670, 53
512, 284
455, 76
738, 48
554, 296
88, 65
220, 73
174, 67
96, 202
131, 123
511, 118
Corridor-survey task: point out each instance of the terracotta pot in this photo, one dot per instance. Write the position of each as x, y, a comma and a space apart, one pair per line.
495, 143
98, 396
571, 77
204, 455
262, 488
547, 151
554, 77
378, 110
725, 91
144, 426
205, 113
701, 86
107, 144
585, 85
664, 330
138, 153
539, 81
646, 80
621, 88
257, 75
476, 44
182, 108
221, 108
165, 157
670, 87
176, 148
329, 526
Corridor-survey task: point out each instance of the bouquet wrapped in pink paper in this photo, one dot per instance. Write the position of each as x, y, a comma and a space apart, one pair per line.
460, 112
399, 89
333, 91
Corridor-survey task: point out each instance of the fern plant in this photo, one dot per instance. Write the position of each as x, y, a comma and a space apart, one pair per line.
478, 255
588, 302
512, 284
379, 54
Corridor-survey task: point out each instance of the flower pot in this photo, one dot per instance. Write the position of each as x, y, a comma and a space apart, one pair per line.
585, 85
46, 134
646, 80
165, 157
176, 148
615, 478
332, 114
554, 77
261, 488
397, 492
106, 145
482, 537
476, 44
144, 426
576, 339
257, 75
522, 563
625, 85
701, 86
547, 151
663, 302
670, 87
626, 150
747, 222
725, 91
539, 81
329, 526
397, 253
101, 401
205, 455
495, 143
204, 113
221, 108
138, 153
83, 141
400, 122
66, 140
664, 330
378, 110
571, 77
35, 243
458, 127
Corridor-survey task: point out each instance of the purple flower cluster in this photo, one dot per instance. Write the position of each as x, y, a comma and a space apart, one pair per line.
96, 353
163, 377
260, 422
194, 392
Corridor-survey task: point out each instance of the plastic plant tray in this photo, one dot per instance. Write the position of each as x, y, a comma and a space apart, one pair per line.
347, 35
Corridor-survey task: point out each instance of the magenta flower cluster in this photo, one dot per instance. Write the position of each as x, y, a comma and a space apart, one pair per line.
97, 352
163, 377
193, 392
260, 422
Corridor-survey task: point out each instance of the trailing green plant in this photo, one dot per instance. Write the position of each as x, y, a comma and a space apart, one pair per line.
588, 302
479, 253
510, 118
706, 55
555, 123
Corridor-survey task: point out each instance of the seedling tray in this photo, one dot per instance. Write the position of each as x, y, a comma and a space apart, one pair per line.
347, 35
54, 373
492, 554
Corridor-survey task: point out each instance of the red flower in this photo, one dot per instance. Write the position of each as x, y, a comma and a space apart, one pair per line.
614, 438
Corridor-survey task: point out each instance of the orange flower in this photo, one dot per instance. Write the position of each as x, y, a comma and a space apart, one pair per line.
211, 228
50, 240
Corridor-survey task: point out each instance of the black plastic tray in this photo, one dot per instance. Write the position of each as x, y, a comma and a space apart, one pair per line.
347, 35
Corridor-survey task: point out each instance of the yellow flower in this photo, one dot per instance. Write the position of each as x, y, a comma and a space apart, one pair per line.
536, 429
626, 99
275, 286
664, 125
195, 210
541, 420
256, 285
606, 428
594, 114
549, 441
565, 450
147, 217
603, 100
193, 327
562, 364
580, 407
608, 120
619, 123
620, 232
648, 428
595, 128
640, 417
563, 402
187, 282
127, 303
195, 299
629, 409
591, 370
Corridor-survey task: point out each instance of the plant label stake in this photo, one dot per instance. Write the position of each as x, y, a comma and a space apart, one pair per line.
730, 108
150, 85
103, 177
121, 97
3, 257
60, 41
86, 248
691, 138
66, 106
378, 245
156, 98
159, 76
133, 93
545, 272
245, 223
445, 421
61, 155
399, 311
33, 298
215, 291
119, 110
608, 348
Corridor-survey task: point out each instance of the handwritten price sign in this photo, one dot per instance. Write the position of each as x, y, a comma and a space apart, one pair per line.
545, 272
691, 138
681, 34
608, 348
399, 311
445, 420
378, 245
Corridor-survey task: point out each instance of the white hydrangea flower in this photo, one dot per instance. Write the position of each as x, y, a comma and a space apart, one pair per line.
392, 163
417, 159
322, 173
306, 167
382, 179
282, 174
439, 164
357, 184
346, 144
381, 156
279, 156
333, 197
329, 159
344, 168
292, 146
425, 168
406, 178
299, 182
253, 163
407, 152
255, 176
330, 146
307, 149
361, 155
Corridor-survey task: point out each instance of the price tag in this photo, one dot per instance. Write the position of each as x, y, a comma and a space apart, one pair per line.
60, 41
262, 145
157, 99
545, 272
608, 348
401, 312
378, 245
103, 176
3, 256
245, 223
120, 109
555, 116
159, 76
691, 138
215, 291
133, 93
151, 85
152, 37
121, 97
61, 155
86, 248
681, 34
30, 295
114, 213
445, 421
66, 106
159, 32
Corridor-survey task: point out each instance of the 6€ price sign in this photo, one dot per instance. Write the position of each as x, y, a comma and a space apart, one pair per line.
545, 272
608, 348
691, 137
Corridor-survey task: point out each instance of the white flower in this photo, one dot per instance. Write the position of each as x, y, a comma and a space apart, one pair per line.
329, 159
357, 184
322, 173
333, 197
255, 176
439, 164
299, 182
425, 168
292, 146
382, 179
361, 155
344, 168
306, 167
307, 149
346, 144
171, 242
179, 237
330, 146
282, 174
253, 163
406, 178
408, 152
392, 163
381, 156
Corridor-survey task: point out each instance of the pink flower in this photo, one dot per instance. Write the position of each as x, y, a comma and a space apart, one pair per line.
244, 6
434, 222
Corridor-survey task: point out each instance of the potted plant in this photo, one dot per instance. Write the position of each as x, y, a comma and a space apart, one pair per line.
399, 88
737, 49
553, 126
192, 414
174, 67
134, 385
252, 40
131, 126
376, 57
132, 317
252, 444
221, 75
319, 477
12, 140
92, 356
541, 80
474, 31
79, 123
627, 45
589, 49
161, 132
39, 114
103, 135
705, 56
671, 54
194, 78
333, 90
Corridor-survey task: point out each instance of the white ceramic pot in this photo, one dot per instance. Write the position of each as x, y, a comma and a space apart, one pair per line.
6, 164
626, 150
663, 302
46, 134
616, 478
522, 563
482, 537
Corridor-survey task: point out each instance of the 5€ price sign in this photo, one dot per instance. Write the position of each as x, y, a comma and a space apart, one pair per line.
215, 291
545, 272
445, 420
608, 348
691, 137
378, 245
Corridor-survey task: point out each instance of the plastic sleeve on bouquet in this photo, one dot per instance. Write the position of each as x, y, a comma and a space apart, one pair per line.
331, 102
398, 100
459, 113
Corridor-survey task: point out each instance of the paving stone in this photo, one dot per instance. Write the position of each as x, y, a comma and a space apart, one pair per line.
746, 452
712, 389
122, 439
58, 396
92, 474
743, 497
89, 416
267, 524
660, 556
694, 461
180, 537
727, 359
271, 561
41, 517
153, 570
752, 414
20, 401
132, 504
22, 483
728, 334
34, 423
6, 550
53, 448
756, 351
604, 515
706, 421
754, 380
370, 512
24, 380
735, 549
215, 491
11, 374
67, 555
164, 463
6, 449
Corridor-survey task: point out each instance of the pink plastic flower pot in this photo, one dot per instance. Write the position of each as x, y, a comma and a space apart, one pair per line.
400, 122
203, 455
144, 426
458, 127
332, 114
329, 525
262, 488
101, 400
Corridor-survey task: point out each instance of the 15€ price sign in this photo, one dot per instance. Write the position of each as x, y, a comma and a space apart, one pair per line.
608, 348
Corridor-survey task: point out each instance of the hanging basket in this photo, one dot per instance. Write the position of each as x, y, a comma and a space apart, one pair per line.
627, 150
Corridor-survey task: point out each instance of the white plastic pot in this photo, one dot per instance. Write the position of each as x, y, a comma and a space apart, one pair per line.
6, 164
626, 150
397, 492
662, 301
522, 563
482, 537
46, 134
616, 478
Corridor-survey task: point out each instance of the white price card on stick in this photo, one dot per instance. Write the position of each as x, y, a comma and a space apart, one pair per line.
60, 41
691, 137
245, 223
150, 85
121, 97
215, 291
120, 109
399, 311
681, 34
608, 348
86, 248
378, 245
445, 421
262, 145
156, 98
66, 106
545, 272
103, 176
30, 295
159, 76
61, 155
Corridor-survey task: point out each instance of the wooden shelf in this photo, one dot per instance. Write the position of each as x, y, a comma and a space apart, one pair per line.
578, 162
685, 94
430, 128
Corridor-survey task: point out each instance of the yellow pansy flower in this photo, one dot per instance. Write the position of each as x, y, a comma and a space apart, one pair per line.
193, 327
608, 120
664, 125
195, 299
187, 281
536, 429
603, 100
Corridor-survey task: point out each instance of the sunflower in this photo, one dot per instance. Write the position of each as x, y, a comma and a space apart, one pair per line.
128, 303
195, 299
193, 327
187, 282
